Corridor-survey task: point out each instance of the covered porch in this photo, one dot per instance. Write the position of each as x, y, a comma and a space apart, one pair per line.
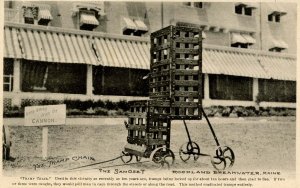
56, 63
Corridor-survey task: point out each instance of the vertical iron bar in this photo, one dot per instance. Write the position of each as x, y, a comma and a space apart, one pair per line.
187, 131
168, 133
211, 128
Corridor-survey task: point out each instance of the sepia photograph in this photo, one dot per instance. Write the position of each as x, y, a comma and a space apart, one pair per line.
149, 94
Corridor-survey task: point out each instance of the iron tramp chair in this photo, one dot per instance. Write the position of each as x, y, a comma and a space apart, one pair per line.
175, 90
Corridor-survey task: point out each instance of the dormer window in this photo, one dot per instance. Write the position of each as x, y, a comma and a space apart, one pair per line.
245, 8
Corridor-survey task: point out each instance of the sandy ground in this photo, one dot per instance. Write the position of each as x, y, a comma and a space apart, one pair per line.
259, 144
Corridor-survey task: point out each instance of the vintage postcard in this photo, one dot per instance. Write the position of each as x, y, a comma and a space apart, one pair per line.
149, 94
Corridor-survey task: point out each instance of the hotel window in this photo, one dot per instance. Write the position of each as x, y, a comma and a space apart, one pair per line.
278, 45
87, 20
37, 14
242, 40
194, 4
134, 27
276, 49
88, 14
245, 8
8, 74
8, 4
275, 13
239, 9
248, 11
29, 17
239, 45
274, 17
44, 16
187, 24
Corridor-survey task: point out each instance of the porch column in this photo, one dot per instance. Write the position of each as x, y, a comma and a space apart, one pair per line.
16, 100
206, 87
89, 80
17, 76
255, 89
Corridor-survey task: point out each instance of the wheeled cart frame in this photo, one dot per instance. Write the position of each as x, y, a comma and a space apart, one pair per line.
175, 89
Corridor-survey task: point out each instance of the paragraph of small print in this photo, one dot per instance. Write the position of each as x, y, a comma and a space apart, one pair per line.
143, 181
